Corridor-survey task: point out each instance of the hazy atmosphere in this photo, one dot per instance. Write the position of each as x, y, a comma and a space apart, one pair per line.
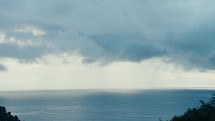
108, 44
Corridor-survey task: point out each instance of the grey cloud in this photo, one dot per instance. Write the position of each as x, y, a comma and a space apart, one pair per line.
110, 30
2, 68
196, 48
133, 47
23, 53
138, 53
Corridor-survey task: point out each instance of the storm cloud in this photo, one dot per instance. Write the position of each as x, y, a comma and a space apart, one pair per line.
182, 31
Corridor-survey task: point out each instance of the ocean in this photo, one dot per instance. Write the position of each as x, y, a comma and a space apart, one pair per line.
101, 105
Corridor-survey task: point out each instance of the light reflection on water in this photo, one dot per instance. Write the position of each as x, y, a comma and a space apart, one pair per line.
101, 105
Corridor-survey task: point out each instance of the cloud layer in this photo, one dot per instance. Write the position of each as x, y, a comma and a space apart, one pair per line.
182, 31
2, 68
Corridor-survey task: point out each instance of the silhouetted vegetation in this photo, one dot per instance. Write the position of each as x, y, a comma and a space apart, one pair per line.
6, 116
206, 112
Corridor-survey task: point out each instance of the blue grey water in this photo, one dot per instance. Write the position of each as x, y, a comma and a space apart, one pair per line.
101, 105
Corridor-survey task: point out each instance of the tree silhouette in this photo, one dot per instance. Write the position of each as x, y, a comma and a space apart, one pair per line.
6, 116
206, 112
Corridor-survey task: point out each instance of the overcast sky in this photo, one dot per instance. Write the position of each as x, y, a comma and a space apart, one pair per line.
105, 44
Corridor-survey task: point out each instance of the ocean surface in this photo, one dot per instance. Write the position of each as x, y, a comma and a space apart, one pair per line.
101, 105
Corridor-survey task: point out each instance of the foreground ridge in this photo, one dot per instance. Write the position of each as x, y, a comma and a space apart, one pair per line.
6, 116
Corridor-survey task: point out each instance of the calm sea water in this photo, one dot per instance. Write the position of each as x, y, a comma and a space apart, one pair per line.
101, 105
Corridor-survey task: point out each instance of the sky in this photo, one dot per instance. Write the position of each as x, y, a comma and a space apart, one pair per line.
106, 44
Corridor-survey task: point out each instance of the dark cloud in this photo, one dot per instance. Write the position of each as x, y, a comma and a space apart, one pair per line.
23, 53
196, 48
182, 31
138, 53
132, 47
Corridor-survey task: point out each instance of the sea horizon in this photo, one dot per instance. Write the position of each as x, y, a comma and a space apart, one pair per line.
114, 89
102, 105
